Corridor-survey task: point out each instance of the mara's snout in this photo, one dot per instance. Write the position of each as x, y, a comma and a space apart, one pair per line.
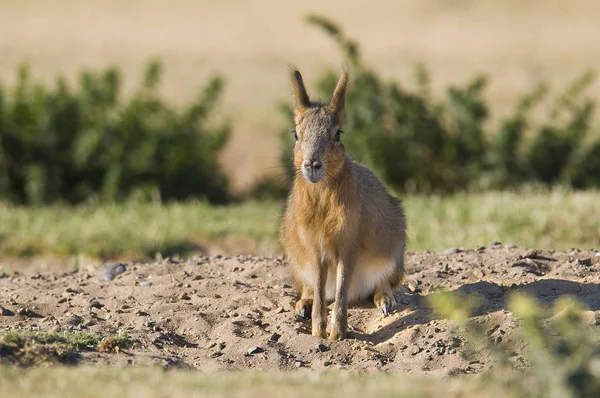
313, 170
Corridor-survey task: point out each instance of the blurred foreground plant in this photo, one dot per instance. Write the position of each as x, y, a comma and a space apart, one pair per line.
561, 352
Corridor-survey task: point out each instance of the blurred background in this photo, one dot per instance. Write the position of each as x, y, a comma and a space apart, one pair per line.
462, 106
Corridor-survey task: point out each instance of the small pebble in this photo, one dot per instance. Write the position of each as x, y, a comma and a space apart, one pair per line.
184, 296
413, 285
93, 304
112, 270
452, 250
145, 284
75, 320
322, 347
275, 337
28, 313
479, 274
255, 350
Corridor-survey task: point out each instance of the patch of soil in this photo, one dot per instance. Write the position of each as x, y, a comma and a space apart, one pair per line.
237, 313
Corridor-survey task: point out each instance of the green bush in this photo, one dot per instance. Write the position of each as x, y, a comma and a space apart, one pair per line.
417, 143
63, 145
561, 353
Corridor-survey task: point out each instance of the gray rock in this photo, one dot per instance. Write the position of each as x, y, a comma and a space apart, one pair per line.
322, 347
112, 270
145, 284
452, 250
93, 304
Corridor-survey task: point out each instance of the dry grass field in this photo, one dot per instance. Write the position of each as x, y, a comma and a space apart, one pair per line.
517, 42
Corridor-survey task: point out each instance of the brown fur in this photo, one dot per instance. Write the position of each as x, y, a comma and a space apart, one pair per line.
342, 232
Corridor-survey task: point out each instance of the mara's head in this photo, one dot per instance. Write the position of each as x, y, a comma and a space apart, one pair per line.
318, 152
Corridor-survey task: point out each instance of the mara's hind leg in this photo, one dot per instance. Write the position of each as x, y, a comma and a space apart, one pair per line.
304, 305
384, 297
384, 293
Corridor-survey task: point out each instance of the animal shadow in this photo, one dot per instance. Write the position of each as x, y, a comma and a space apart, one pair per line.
492, 297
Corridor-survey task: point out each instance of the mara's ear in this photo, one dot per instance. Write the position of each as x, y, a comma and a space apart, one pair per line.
337, 105
302, 102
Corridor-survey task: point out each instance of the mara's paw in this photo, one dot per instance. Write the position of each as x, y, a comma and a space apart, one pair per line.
337, 334
319, 332
304, 308
386, 303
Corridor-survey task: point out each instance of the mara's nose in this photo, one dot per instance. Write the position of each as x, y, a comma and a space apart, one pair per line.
312, 164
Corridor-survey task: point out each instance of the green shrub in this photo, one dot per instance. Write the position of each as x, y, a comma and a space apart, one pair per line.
88, 144
561, 354
417, 143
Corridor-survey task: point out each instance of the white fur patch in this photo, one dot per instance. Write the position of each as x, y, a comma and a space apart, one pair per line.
366, 279
362, 284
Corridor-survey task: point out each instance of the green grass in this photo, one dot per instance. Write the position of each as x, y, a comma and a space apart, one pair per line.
543, 219
116, 343
36, 348
132, 229
73, 340
84, 382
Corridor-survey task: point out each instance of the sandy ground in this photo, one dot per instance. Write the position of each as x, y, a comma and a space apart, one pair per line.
236, 313
517, 42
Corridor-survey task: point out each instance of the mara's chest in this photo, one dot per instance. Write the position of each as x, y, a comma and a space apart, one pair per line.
325, 226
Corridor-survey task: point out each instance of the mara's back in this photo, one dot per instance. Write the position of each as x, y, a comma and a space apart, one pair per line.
383, 223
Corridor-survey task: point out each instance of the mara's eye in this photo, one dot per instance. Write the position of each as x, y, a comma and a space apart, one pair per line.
295, 134
338, 135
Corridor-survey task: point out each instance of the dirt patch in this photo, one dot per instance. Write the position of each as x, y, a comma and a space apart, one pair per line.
237, 313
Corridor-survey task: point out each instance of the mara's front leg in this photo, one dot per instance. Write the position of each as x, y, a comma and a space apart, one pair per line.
319, 306
339, 317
